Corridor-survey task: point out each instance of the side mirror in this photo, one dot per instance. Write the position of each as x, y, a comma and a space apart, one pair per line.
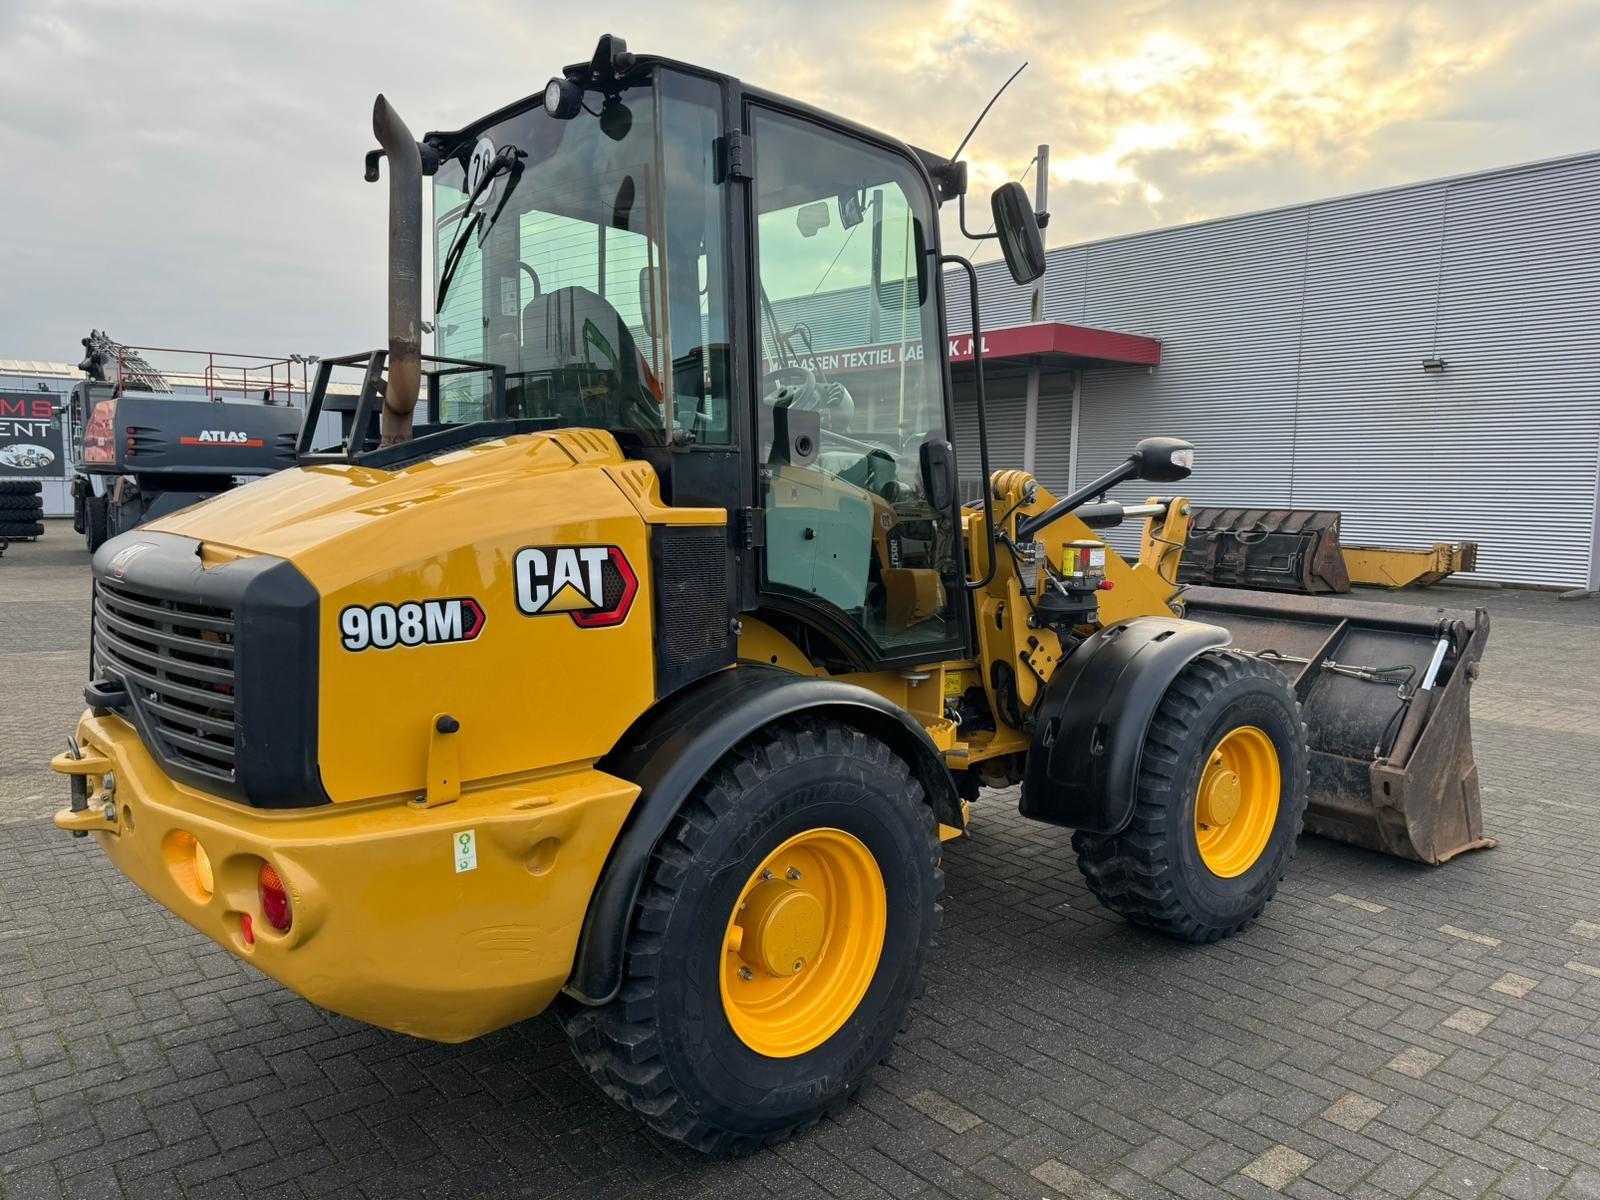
852, 208
939, 475
1163, 459
622, 205
647, 314
1018, 230
919, 247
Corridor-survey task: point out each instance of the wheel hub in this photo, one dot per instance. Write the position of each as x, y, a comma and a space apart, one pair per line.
1236, 803
782, 928
802, 942
1220, 794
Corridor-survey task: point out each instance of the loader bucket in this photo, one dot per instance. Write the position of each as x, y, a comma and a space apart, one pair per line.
1281, 549
1385, 689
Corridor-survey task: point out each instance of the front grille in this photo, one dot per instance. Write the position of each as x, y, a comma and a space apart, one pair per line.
176, 660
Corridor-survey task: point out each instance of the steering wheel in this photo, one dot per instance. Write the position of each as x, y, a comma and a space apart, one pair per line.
800, 388
786, 379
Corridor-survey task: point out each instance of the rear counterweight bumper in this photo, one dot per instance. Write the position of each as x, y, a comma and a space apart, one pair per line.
392, 922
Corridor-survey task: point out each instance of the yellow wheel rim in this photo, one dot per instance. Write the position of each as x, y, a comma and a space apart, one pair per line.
1236, 805
802, 942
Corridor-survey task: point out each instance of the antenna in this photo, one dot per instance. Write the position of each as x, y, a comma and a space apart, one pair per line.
985, 111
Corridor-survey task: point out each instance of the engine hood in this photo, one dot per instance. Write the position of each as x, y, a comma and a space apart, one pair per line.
342, 522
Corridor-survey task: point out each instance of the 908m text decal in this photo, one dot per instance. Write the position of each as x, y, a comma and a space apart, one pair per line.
413, 623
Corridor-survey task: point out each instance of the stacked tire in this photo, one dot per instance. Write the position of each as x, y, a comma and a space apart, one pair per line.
21, 509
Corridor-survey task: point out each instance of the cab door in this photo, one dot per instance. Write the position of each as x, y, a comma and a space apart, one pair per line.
851, 390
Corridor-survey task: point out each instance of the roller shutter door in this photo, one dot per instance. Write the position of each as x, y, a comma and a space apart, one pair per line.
1006, 408
1052, 447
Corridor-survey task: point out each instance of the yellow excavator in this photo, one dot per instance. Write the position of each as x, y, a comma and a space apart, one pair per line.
622, 658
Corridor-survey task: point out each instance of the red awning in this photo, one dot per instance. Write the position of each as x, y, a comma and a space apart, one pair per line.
1058, 344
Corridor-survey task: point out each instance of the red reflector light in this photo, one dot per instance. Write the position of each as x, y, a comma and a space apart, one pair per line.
274, 899
247, 928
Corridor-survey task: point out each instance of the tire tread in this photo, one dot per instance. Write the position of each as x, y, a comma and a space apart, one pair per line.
1132, 872
617, 1044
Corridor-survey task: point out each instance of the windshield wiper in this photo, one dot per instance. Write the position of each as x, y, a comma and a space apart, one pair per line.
508, 160
780, 342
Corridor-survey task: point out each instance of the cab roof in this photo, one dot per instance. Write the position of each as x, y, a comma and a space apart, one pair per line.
614, 67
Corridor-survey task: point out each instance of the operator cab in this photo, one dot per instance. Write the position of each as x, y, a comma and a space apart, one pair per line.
743, 291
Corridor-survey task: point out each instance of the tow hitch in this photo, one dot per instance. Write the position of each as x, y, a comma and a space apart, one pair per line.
79, 817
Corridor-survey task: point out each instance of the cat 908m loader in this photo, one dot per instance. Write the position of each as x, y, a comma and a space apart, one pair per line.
645, 670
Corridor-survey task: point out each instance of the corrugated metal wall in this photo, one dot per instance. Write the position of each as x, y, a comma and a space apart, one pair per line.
1292, 349
839, 320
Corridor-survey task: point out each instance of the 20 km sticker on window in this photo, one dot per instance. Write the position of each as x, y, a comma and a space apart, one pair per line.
413, 623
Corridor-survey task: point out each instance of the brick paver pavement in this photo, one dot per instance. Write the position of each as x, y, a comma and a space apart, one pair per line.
1388, 1030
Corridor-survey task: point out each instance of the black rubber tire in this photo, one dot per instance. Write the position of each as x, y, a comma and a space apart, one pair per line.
96, 518
28, 504
1152, 872
664, 1048
20, 487
21, 529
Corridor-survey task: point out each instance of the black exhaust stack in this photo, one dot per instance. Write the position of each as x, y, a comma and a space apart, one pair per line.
405, 270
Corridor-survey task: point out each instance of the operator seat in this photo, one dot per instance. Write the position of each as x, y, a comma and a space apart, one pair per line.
574, 329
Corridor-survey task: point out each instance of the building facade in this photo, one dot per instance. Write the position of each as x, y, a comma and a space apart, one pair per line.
1425, 359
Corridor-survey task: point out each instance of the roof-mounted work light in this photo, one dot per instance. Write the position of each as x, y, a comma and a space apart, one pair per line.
562, 98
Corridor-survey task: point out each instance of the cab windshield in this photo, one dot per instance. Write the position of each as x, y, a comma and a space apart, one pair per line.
585, 256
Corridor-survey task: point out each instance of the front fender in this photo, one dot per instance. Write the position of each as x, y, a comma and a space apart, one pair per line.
1089, 734
670, 749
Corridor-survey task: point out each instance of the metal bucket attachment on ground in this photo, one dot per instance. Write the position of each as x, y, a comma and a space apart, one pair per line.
1393, 567
1386, 691
1283, 549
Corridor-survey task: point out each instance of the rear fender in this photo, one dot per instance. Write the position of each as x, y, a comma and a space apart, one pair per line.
670, 749
1090, 729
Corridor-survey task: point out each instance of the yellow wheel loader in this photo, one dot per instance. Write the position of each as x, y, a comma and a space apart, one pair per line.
627, 656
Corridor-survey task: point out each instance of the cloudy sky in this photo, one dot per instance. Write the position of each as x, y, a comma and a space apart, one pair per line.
189, 171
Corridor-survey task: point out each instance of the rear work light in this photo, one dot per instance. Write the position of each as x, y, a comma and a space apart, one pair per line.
189, 864
274, 899
204, 877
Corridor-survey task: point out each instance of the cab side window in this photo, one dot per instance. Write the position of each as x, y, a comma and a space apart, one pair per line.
851, 387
